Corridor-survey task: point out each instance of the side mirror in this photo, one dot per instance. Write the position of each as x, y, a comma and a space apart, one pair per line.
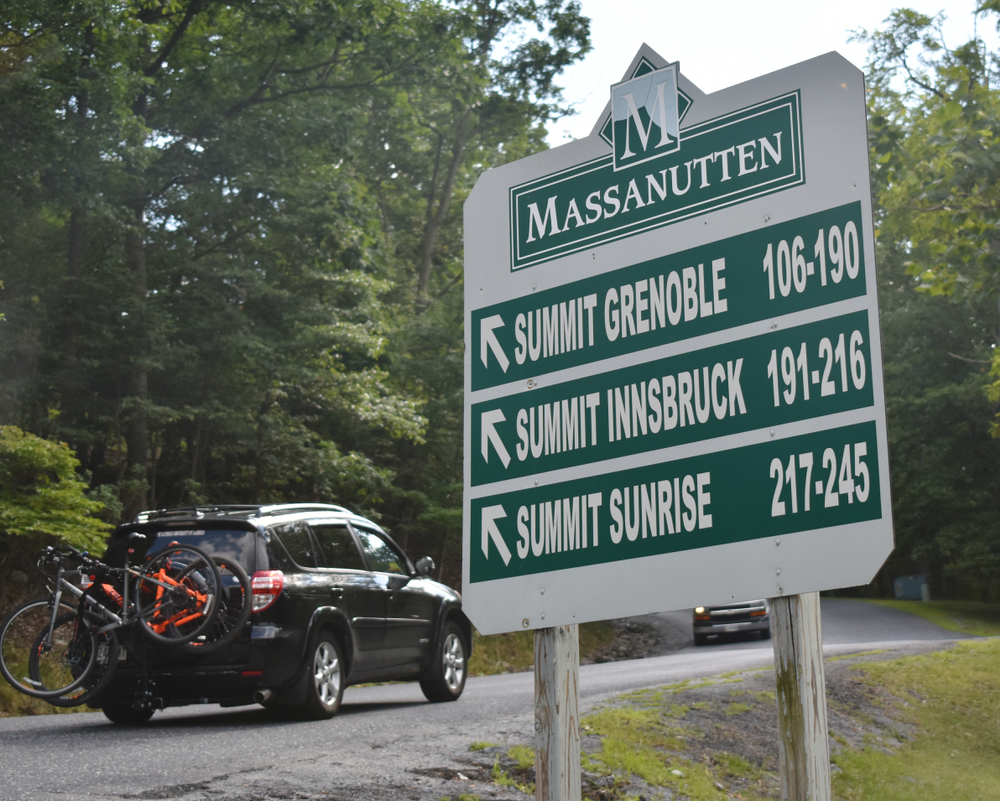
425, 566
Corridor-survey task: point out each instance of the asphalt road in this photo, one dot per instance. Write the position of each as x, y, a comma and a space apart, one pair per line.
843, 621
382, 735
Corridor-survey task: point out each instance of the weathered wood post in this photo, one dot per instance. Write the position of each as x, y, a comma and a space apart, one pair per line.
557, 713
803, 744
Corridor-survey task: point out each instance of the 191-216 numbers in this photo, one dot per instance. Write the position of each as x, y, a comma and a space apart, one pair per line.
837, 252
838, 478
790, 371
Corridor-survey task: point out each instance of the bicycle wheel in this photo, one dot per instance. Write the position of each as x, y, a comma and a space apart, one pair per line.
44, 654
105, 660
177, 594
235, 606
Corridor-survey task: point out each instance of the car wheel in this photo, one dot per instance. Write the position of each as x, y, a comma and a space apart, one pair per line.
124, 714
766, 634
447, 678
701, 639
325, 678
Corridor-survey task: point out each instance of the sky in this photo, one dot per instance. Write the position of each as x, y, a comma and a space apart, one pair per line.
724, 42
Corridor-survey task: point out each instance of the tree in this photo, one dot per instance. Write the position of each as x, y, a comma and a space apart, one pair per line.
936, 123
42, 499
933, 122
178, 230
426, 144
232, 246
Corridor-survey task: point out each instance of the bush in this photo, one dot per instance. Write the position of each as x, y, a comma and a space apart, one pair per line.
42, 500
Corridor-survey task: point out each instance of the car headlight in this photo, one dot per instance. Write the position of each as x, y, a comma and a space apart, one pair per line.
699, 610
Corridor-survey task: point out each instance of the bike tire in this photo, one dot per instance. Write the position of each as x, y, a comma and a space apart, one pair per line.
235, 606
41, 655
102, 670
177, 594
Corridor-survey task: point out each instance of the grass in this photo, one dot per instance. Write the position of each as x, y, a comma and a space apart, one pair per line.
968, 617
648, 743
523, 755
524, 759
873, 652
515, 651
480, 745
948, 702
14, 703
953, 697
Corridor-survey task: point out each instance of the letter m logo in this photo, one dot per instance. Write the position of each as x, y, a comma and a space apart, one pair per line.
645, 119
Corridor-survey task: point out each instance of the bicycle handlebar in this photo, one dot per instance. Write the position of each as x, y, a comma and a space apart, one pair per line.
53, 555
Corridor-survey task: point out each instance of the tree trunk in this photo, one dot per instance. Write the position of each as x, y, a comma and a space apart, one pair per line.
137, 416
436, 214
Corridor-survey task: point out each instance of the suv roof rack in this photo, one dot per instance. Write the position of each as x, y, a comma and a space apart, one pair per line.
283, 508
236, 509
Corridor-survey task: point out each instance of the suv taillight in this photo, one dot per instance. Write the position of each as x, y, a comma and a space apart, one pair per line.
266, 585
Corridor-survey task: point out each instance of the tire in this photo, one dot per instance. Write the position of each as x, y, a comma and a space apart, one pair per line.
41, 664
701, 639
766, 634
102, 668
177, 594
448, 672
124, 714
232, 613
325, 675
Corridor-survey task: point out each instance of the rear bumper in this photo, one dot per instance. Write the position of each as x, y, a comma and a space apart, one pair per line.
268, 659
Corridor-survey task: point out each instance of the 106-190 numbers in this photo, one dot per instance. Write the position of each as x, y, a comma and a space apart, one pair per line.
843, 477
838, 254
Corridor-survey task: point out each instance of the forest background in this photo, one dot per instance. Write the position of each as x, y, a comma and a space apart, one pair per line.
231, 261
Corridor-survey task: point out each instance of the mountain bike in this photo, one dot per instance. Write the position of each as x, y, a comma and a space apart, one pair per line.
66, 654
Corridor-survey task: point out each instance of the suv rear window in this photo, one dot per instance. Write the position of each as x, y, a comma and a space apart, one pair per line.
237, 544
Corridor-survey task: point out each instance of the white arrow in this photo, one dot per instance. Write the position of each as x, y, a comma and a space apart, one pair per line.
490, 516
490, 419
488, 341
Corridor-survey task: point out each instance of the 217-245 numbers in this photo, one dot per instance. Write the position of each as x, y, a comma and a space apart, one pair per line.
844, 478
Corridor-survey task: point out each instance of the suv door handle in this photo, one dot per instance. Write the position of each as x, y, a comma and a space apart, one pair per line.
337, 593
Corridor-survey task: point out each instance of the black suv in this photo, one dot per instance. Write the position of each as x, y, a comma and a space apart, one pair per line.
335, 602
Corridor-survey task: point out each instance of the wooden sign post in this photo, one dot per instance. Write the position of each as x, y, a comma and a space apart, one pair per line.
803, 744
557, 713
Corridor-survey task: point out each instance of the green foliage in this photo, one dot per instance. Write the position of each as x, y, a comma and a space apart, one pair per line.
42, 500
514, 651
934, 123
936, 129
41, 495
231, 243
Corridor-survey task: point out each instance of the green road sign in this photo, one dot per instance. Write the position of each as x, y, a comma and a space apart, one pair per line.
804, 263
673, 372
784, 375
816, 480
